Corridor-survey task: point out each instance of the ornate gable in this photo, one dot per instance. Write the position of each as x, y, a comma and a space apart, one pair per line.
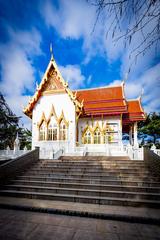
51, 83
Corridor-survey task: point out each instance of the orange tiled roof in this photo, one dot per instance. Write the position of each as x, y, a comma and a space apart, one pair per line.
98, 101
135, 111
106, 100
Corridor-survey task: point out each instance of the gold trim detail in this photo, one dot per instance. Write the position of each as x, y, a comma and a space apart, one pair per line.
58, 120
43, 119
52, 67
84, 132
52, 113
97, 126
62, 118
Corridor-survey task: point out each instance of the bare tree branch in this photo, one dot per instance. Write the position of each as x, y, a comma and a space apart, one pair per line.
130, 17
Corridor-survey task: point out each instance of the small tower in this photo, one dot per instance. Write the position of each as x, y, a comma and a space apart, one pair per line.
16, 144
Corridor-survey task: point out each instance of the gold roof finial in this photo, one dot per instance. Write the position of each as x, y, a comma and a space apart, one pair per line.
51, 51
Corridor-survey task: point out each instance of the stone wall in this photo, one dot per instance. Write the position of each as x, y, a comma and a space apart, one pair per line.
152, 161
12, 168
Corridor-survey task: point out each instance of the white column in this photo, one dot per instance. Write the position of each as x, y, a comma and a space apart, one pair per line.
107, 146
120, 133
130, 135
46, 132
135, 135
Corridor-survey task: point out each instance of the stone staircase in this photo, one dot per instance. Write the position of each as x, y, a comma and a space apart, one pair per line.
90, 179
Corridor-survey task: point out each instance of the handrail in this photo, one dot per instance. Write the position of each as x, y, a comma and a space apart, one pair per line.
84, 151
152, 160
157, 151
58, 154
12, 154
10, 169
135, 153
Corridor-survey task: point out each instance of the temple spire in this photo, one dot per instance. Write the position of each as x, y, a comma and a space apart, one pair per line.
51, 51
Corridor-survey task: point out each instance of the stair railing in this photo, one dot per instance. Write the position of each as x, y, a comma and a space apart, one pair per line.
135, 153
58, 154
10, 169
152, 160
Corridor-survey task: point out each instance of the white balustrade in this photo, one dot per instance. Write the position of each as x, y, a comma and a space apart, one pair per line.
58, 154
135, 153
11, 154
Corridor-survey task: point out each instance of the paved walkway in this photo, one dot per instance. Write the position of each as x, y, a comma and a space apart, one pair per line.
16, 225
129, 214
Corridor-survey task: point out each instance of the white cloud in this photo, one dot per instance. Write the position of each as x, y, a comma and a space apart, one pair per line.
149, 81
133, 90
75, 19
74, 76
17, 70
71, 19
29, 41
115, 82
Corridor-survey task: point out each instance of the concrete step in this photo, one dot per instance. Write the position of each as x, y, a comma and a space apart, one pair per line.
91, 180
88, 158
93, 169
118, 187
88, 171
134, 162
120, 213
72, 166
83, 199
85, 192
133, 182
88, 175
88, 164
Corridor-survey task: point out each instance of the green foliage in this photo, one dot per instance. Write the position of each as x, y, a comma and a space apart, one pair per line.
25, 137
8, 125
9, 128
151, 126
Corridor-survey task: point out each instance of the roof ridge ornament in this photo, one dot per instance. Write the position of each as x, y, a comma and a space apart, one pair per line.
141, 94
51, 51
125, 78
37, 86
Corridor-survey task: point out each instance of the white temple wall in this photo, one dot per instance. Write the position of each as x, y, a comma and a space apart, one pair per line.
60, 102
114, 120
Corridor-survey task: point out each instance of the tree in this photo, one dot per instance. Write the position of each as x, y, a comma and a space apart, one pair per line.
8, 125
151, 126
25, 137
9, 128
131, 17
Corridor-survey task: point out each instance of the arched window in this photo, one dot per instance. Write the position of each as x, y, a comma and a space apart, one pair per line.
52, 129
62, 131
97, 136
42, 131
108, 137
87, 137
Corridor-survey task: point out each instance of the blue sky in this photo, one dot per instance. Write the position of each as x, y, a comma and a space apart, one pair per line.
85, 58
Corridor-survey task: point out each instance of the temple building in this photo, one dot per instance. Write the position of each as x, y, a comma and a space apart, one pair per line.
88, 118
